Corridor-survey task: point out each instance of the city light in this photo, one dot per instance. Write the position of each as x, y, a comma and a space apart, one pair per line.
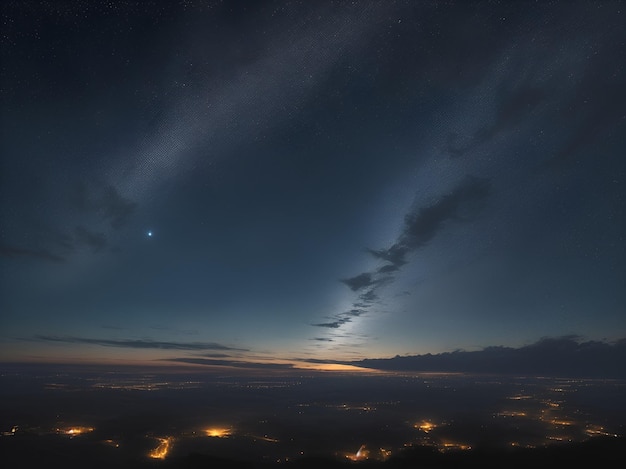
364, 453
218, 432
449, 445
360, 455
74, 431
160, 452
531, 420
425, 426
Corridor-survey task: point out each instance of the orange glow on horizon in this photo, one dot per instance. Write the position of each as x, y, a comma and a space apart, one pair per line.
333, 367
256, 366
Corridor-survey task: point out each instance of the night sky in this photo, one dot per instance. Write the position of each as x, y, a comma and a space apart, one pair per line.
276, 182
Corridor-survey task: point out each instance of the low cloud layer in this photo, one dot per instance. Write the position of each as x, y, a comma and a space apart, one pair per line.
232, 363
136, 343
566, 356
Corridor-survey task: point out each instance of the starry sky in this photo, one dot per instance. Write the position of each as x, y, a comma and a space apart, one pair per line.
283, 182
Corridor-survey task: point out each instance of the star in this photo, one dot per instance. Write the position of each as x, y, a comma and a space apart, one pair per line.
149, 234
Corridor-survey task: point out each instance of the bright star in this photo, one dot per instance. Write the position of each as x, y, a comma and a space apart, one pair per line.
149, 234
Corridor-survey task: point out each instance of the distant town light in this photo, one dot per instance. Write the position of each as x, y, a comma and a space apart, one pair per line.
218, 432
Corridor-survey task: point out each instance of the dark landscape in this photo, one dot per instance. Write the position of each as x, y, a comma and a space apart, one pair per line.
101, 417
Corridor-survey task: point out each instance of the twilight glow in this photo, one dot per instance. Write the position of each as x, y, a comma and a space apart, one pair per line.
287, 187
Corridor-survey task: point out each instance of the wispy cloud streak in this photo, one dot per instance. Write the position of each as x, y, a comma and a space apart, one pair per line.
232, 363
136, 343
421, 225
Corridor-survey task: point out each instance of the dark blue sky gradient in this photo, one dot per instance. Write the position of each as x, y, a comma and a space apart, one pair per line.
322, 181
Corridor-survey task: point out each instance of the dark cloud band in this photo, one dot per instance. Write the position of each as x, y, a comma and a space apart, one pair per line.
138, 344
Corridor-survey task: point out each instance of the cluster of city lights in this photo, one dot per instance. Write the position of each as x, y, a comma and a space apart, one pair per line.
425, 426
74, 431
364, 453
164, 447
548, 418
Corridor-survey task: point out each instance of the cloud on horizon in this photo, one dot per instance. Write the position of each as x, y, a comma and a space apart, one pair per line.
231, 363
136, 343
566, 356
